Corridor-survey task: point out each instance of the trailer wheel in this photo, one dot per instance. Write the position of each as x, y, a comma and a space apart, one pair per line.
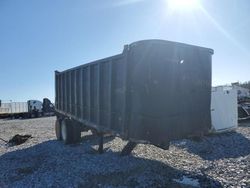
70, 132
58, 126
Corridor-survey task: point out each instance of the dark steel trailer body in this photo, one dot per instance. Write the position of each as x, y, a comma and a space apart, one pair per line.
154, 91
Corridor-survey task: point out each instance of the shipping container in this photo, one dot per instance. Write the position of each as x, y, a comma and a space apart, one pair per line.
155, 91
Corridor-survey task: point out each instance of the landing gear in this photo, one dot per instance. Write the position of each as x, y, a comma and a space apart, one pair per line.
100, 148
128, 148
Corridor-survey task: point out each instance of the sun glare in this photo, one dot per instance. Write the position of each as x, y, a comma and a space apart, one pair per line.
183, 5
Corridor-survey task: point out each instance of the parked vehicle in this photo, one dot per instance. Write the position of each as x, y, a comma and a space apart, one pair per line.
48, 108
31, 108
154, 92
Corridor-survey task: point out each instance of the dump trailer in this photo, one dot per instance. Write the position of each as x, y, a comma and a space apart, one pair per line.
154, 92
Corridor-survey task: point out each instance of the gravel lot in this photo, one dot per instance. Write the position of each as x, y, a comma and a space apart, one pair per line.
216, 161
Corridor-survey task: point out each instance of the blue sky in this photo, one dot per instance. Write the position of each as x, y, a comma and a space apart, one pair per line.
38, 37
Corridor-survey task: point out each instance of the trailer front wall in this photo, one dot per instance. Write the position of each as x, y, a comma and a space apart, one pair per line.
170, 86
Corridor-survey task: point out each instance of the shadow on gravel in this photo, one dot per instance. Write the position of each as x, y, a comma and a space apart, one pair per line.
52, 164
92, 137
218, 146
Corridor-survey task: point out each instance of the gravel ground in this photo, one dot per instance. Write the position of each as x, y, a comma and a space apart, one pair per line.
221, 160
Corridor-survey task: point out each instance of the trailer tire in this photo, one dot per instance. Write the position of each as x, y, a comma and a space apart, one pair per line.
70, 132
58, 126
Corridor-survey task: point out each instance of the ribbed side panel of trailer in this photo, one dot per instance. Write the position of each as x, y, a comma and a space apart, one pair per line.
94, 94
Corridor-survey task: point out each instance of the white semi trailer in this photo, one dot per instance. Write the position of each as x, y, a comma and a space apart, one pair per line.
31, 108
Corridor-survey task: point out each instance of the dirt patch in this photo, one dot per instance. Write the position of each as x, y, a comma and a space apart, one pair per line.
18, 139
